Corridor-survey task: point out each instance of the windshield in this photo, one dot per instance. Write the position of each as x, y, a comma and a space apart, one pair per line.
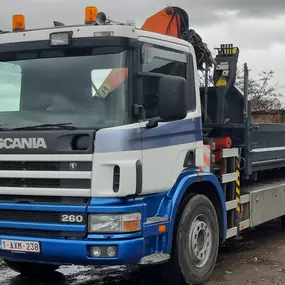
88, 91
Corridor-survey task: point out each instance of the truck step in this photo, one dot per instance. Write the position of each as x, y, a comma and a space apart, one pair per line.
232, 232
231, 205
229, 177
244, 225
155, 220
244, 199
154, 258
229, 152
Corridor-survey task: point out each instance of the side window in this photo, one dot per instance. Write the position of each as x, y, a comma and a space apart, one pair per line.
159, 60
10, 87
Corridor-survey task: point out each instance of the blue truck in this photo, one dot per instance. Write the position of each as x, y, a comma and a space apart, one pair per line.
112, 153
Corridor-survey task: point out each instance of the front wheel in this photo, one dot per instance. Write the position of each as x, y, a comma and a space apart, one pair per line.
195, 244
32, 269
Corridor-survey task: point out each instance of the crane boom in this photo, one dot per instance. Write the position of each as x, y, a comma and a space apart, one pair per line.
174, 21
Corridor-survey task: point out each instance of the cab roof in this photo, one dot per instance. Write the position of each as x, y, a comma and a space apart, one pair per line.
87, 31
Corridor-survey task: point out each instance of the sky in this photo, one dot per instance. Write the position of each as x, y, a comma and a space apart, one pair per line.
255, 26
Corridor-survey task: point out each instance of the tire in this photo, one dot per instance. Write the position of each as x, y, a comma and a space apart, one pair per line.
195, 244
32, 269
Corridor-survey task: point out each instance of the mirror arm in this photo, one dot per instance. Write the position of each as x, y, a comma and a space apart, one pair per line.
153, 123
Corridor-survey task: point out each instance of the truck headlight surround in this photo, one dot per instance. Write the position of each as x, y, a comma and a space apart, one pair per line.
114, 223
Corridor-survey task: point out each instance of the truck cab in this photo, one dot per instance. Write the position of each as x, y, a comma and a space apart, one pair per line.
51, 83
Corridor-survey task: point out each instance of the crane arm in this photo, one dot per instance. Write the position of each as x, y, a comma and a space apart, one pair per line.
174, 21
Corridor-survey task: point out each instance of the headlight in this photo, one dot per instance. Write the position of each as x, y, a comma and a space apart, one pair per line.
117, 223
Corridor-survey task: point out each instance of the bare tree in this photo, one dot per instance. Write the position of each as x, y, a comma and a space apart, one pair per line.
262, 92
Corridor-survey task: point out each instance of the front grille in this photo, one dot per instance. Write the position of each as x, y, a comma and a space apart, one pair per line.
45, 183
33, 216
30, 216
43, 234
44, 200
29, 166
62, 178
53, 181
43, 166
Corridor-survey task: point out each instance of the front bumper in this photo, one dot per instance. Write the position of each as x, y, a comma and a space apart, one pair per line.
72, 243
61, 251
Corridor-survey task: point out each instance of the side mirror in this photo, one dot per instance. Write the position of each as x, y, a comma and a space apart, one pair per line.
172, 98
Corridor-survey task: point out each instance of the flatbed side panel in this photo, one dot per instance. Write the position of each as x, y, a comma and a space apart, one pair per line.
268, 151
268, 158
263, 185
267, 203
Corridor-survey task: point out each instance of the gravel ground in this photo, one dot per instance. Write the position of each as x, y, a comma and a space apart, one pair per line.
259, 258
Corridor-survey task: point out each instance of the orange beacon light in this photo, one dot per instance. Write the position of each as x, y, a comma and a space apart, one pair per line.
90, 14
18, 23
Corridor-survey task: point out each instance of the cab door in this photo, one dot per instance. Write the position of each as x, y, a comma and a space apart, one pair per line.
164, 148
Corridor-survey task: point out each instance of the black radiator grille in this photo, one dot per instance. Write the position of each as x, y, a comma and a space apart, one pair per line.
30, 216
45, 183
36, 216
29, 166
43, 234
43, 166
44, 200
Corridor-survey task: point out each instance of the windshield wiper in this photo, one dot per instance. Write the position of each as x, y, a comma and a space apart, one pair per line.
65, 126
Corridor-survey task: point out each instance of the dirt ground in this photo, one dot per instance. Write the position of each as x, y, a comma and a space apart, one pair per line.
259, 258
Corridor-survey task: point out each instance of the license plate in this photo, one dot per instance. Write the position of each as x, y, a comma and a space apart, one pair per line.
20, 246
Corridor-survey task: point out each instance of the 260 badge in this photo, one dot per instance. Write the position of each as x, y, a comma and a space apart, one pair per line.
72, 218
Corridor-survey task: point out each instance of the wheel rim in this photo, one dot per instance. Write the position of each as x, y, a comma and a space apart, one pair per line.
200, 241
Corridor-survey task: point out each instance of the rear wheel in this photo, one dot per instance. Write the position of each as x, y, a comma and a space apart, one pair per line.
32, 269
195, 244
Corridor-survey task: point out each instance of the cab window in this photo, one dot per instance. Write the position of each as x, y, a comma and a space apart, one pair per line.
160, 60
10, 87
